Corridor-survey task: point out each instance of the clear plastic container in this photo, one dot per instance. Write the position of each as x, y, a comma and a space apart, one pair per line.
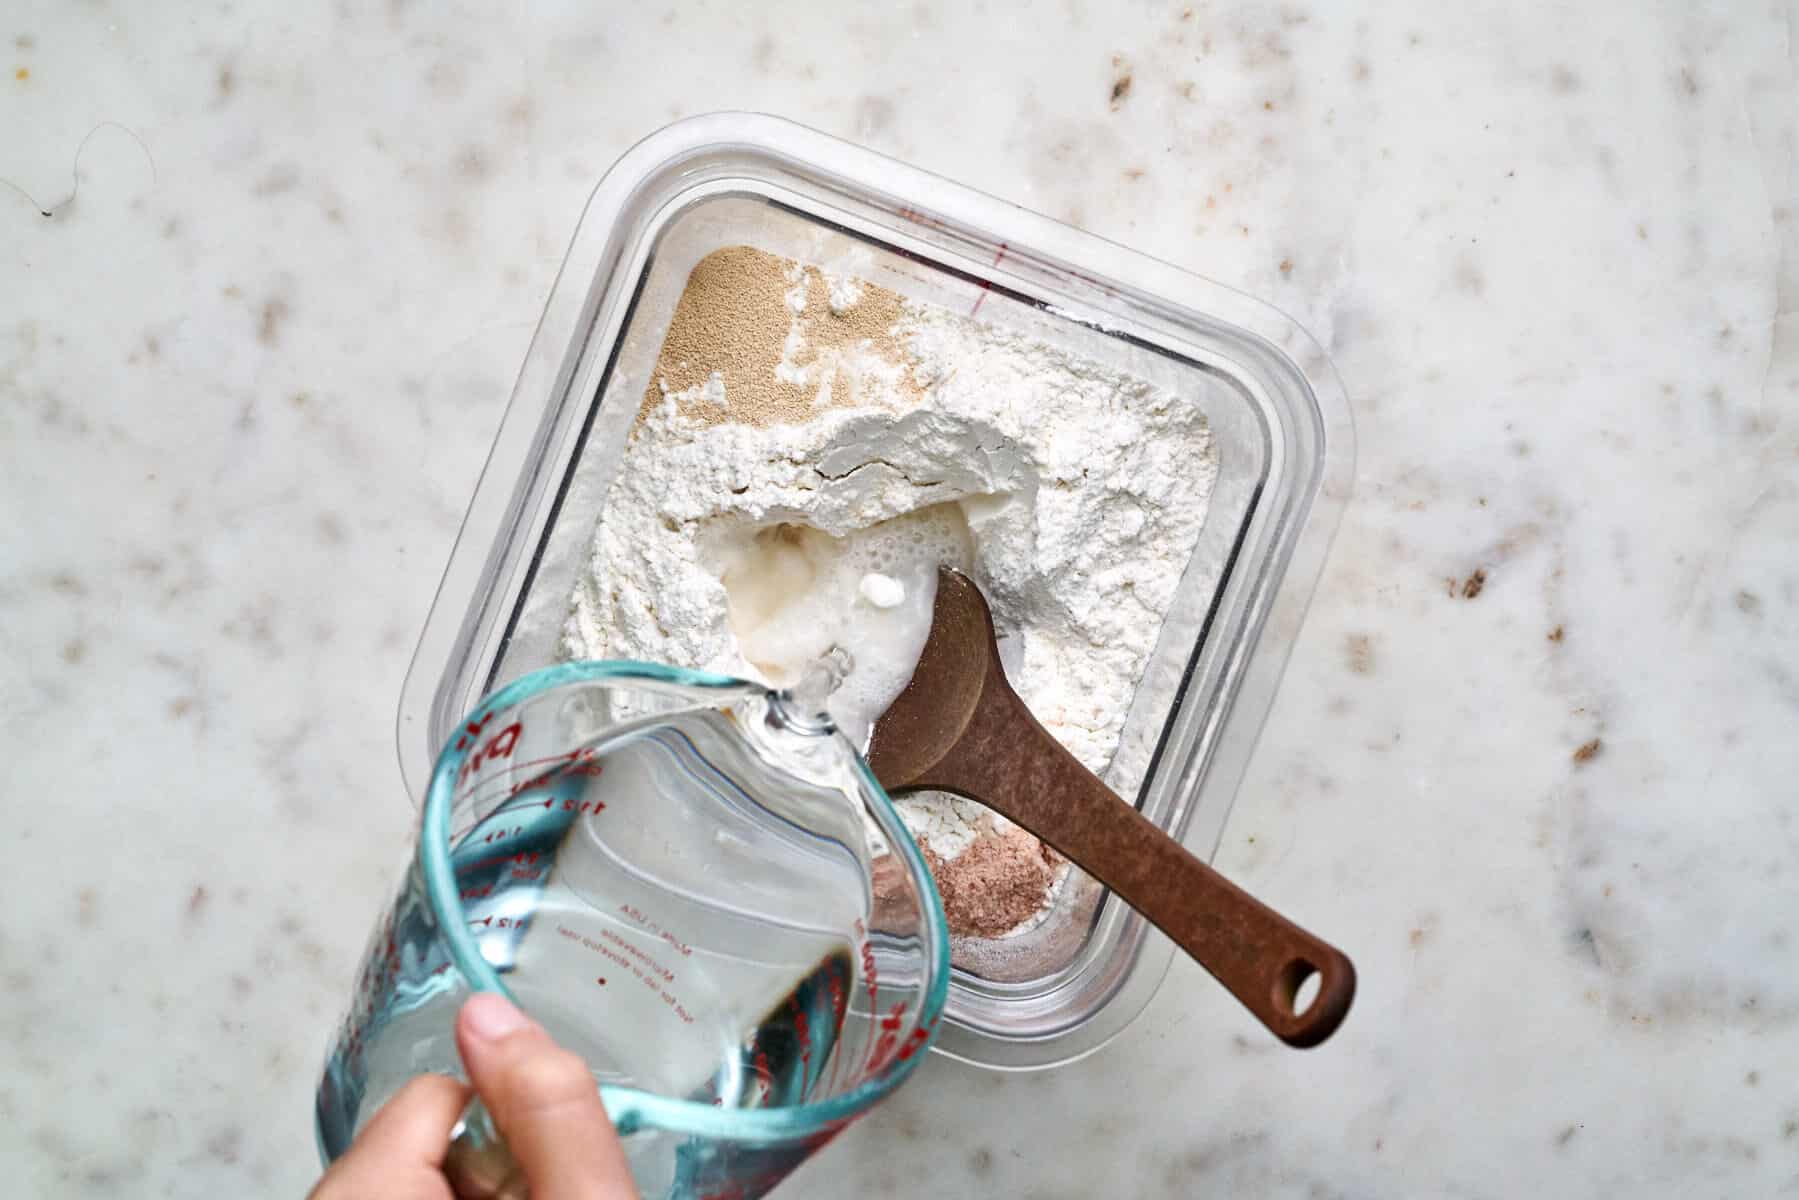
1279, 421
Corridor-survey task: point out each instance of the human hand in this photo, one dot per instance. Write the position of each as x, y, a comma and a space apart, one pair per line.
540, 1096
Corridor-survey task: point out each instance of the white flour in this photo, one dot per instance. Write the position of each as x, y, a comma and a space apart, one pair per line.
1083, 490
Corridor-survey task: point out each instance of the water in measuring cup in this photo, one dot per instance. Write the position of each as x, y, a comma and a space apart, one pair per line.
656, 904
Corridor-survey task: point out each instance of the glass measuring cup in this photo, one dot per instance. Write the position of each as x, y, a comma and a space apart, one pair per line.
688, 881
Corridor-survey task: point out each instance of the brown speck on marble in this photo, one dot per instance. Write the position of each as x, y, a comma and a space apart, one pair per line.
1474, 584
1468, 278
268, 326
226, 81
22, 74
74, 650
456, 226
67, 583
332, 531
1121, 81
1689, 82
980, 1160
1286, 267
278, 180
1267, 106
1748, 602
1588, 750
197, 901
1359, 653
180, 706
1135, 173
471, 163
87, 908
874, 116
225, 1145
1567, 1135
25, 41
1556, 634
447, 78
1358, 70
1562, 80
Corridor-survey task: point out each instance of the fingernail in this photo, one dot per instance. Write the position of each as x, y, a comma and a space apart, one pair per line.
491, 1016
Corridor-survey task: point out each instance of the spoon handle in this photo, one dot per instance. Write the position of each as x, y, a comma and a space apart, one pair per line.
1009, 762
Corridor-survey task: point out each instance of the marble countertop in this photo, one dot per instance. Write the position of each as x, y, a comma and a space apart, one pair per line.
249, 371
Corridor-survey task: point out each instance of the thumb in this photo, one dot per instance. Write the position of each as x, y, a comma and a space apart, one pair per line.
545, 1103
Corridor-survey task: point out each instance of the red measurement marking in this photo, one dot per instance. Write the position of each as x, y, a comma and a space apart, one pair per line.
472, 731
500, 745
765, 1077
522, 857
838, 1000
492, 922
869, 972
914, 1043
985, 285
802, 1028
888, 1044
578, 763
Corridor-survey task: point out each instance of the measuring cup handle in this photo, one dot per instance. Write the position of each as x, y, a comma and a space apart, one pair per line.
479, 1165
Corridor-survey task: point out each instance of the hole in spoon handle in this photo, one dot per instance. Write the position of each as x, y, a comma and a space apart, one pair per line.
1311, 994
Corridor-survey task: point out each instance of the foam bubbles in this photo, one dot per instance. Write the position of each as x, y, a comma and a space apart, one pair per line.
795, 592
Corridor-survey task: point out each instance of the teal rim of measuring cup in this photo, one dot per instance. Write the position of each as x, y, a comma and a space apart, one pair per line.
633, 1109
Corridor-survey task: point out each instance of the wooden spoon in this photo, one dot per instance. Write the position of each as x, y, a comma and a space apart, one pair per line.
958, 727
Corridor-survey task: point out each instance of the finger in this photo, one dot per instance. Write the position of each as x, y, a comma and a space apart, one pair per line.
414, 1127
402, 1145
545, 1103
